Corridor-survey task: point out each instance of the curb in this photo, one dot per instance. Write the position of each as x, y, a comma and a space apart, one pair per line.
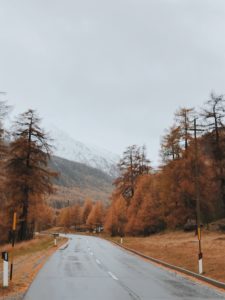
213, 282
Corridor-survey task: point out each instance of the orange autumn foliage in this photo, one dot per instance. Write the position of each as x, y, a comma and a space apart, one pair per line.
145, 211
96, 216
116, 217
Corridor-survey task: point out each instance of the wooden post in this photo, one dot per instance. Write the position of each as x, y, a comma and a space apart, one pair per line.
13, 244
197, 193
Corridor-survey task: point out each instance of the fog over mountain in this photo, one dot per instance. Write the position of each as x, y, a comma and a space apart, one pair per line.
71, 149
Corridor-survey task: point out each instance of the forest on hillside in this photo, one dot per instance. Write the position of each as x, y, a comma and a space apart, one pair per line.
31, 176
144, 200
193, 163
77, 182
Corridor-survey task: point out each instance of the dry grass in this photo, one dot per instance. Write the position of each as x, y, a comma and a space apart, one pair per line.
29, 257
181, 249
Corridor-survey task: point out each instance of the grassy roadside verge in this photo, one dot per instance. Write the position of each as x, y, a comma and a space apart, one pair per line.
29, 257
181, 249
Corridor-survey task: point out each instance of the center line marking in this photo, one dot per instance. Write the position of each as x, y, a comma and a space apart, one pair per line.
98, 262
113, 276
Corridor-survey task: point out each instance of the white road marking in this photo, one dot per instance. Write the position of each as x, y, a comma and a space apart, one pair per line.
98, 262
91, 253
113, 276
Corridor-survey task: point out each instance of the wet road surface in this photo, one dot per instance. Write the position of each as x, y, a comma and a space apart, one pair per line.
93, 269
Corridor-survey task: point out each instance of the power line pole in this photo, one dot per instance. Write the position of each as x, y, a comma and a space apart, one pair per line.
197, 195
13, 244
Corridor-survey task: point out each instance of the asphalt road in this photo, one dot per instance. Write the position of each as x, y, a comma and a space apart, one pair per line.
93, 269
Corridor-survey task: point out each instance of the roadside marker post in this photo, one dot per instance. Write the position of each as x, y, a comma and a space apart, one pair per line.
200, 264
200, 255
5, 257
55, 235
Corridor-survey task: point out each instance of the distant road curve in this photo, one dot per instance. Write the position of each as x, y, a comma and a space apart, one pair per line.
94, 269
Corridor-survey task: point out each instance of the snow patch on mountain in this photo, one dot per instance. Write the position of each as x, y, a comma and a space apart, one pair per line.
66, 147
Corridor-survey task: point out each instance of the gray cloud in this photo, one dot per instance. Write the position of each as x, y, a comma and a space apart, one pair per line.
111, 72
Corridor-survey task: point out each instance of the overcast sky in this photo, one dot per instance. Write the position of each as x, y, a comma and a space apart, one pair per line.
111, 73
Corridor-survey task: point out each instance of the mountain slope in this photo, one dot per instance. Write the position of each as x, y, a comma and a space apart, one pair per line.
78, 181
68, 148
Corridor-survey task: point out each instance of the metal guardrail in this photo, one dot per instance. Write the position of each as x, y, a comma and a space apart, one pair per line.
213, 282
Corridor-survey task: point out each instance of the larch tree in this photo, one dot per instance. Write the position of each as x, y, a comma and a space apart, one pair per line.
96, 216
179, 134
132, 226
214, 115
133, 164
184, 118
170, 145
120, 211
178, 188
150, 217
4, 110
116, 217
29, 179
144, 213
43, 215
76, 215
86, 209
64, 218
4, 220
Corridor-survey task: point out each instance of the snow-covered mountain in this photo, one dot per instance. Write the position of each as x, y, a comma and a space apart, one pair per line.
67, 147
